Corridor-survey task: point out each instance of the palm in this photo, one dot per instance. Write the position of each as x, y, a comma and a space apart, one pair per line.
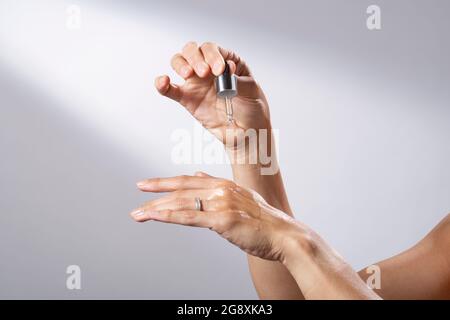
200, 99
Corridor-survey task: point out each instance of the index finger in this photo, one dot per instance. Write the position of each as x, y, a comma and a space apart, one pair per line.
180, 183
213, 57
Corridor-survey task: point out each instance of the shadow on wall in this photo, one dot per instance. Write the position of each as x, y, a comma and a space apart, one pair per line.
65, 198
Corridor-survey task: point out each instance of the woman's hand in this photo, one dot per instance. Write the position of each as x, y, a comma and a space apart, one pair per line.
243, 217
237, 214
199, 66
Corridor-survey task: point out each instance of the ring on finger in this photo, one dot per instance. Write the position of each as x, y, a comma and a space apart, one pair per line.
198, 204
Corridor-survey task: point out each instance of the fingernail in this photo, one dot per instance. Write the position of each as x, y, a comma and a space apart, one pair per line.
161, 81
140, 183
185, 71
138, 213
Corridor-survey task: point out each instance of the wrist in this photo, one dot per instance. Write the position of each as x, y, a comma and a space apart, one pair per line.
249, 143
299, 248
266, 181
320, 272
256, 153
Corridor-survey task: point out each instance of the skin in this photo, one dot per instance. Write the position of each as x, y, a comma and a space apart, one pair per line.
287, 259
245, 219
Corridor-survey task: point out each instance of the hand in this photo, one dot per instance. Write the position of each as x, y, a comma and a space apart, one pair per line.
199, 66
237, 214
243, 217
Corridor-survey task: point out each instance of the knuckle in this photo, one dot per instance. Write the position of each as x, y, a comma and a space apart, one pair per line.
226, 183
226, 192
229, 189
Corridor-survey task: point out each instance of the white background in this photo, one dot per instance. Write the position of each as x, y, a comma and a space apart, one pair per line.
363, 119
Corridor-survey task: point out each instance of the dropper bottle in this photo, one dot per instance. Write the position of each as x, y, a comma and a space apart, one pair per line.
226, 88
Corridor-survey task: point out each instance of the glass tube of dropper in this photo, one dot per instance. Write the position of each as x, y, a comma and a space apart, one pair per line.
229, 109
226, 87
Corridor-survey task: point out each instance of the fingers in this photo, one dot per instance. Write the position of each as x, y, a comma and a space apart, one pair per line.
247, 86
174, 204
211, 200
182, 204
185, 200
181, 66
205, 60
241, 67
184, 217
220, 202
232, 66
182, 182
213, 57
202, 60
165, 88
219, 222
191, 52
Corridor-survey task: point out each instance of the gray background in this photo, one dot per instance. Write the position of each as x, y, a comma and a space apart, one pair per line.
364, 136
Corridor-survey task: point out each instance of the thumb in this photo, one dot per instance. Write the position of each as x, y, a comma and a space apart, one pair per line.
168, 89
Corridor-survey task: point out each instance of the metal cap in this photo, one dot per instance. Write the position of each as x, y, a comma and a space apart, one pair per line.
226, 86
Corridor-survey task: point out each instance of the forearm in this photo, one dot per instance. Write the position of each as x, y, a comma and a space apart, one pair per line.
259, 170
320, 272
271, 279
421, 272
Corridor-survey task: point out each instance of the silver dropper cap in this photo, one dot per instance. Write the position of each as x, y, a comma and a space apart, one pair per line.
226, 86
